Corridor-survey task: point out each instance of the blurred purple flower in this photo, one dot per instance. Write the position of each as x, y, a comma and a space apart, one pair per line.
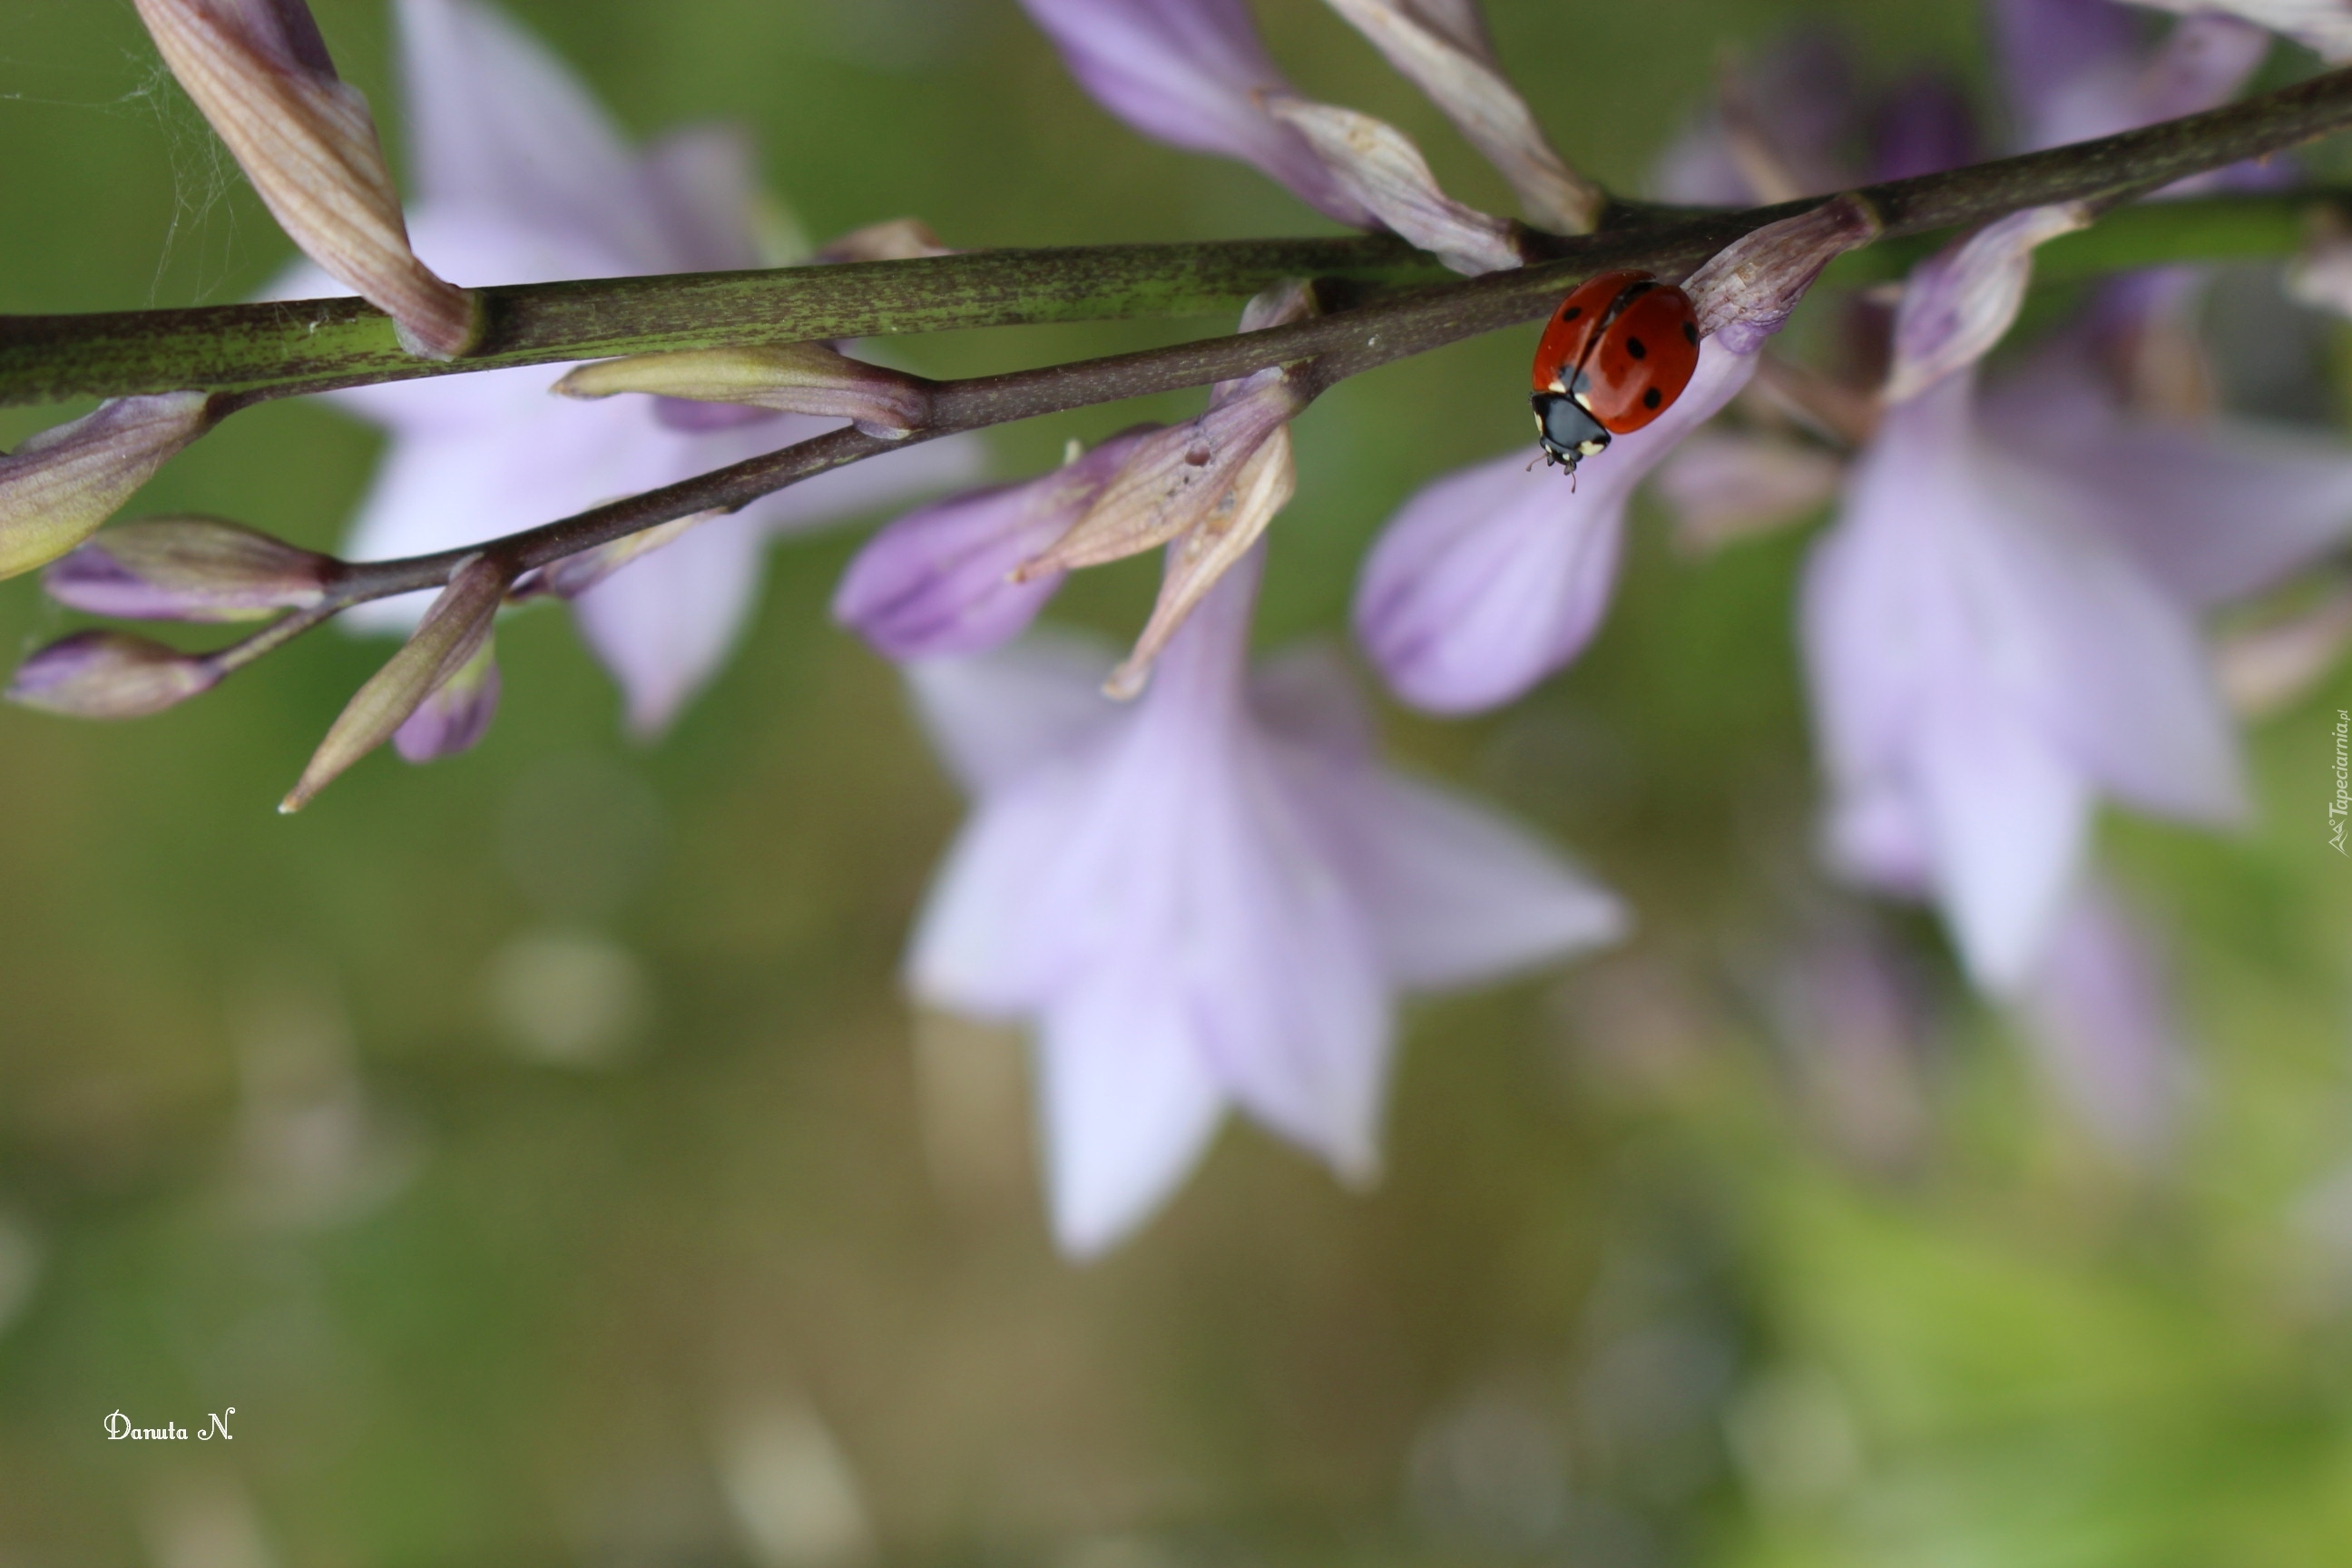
2099, 1018
2076, 68
1782, 127
1985, 661
1190, 73
1209, 899
939, 583
523, 179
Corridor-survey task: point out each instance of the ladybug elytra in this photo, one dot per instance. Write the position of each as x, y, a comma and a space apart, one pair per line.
1615, 355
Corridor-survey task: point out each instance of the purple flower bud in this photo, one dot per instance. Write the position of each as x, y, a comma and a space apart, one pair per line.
455, 629
455, 717
109, 675
260, 73
788, 378
1189, 73
1378, 166
938, 582
57, 488
1746, 291
1441, 47
188, 569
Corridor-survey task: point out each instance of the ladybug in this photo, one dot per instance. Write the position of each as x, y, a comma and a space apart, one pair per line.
1616, 354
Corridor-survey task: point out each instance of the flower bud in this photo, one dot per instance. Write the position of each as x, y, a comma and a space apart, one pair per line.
261, 74
188, 569
454, 629
898, 239
1378, 166
455, 717
1746, 291
1207, 552
1442, 47
59, 486
1961, 300
938, 582
1174, 477
109, 675
791, 378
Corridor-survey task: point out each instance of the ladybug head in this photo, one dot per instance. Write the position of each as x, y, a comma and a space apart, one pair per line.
1568, 432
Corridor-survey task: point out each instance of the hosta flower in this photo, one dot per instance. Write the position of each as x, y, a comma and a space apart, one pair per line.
523, 179
1209, 899
1494, 576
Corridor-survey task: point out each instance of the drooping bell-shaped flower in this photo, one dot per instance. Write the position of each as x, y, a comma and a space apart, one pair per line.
1491, 577
524, 179
1207, 899
2001, 627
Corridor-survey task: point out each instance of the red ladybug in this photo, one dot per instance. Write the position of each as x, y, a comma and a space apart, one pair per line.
1616, 354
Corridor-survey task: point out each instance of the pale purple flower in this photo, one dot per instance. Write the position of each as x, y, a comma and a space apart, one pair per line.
1491, 577
524, 179
2099, 1019
1209, 899
938, 582
1192, 73
2002, 627
1985, 662
2076, 68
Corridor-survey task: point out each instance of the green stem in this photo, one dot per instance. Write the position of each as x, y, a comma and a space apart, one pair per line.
250, 352
316, 344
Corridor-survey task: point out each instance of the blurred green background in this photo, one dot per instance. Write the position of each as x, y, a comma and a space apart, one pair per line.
536, 1153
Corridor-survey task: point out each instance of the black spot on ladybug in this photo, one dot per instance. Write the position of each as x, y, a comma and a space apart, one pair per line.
1571, 312
1653, 397
1637, 348
1690, 334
